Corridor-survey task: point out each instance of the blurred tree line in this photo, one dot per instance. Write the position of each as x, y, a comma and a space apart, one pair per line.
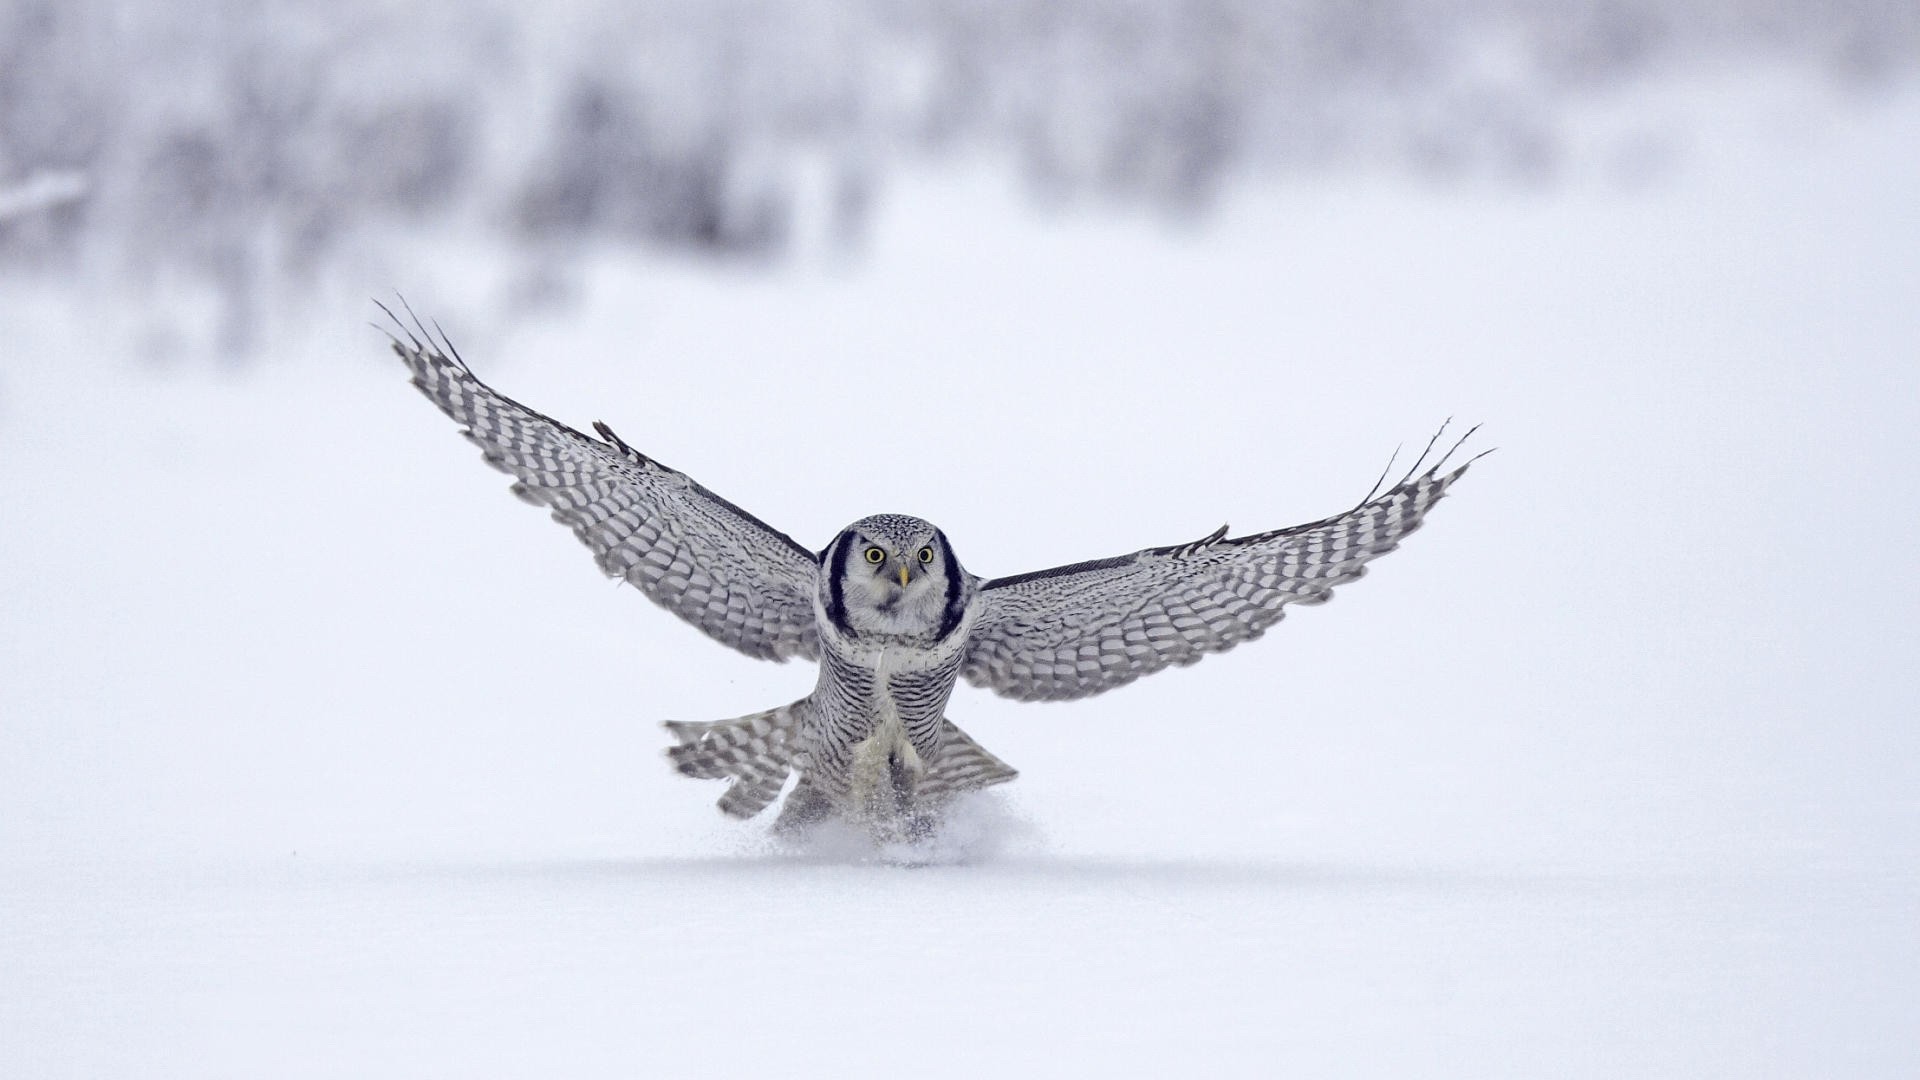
244, 146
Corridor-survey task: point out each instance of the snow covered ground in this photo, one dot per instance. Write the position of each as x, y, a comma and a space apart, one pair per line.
320, 755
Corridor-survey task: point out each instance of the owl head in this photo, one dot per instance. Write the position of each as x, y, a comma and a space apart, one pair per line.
895, 576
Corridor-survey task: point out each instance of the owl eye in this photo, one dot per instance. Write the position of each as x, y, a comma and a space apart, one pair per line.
876, 556
926, 555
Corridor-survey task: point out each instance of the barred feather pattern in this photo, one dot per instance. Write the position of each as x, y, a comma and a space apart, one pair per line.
960, 765
754, 751
855, 693
1079, 630
723, 570
874, 729
757, 753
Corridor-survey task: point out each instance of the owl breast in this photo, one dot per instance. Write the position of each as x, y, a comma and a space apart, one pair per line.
879, 718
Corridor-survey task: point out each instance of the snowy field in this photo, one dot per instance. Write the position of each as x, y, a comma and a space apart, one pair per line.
322, 756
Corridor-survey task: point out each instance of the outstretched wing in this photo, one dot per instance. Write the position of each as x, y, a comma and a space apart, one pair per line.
1078, 630
697, 555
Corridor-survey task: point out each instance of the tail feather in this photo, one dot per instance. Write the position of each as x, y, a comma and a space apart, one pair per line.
757, 751
806, 806
754, 751
748, 795
962, 765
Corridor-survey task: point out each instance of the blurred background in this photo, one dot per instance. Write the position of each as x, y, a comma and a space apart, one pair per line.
321, 755
247, 162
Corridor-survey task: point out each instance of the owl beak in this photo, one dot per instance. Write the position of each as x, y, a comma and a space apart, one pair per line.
903, 575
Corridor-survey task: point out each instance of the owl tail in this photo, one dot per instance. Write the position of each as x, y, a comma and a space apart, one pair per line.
961, 765
754, 751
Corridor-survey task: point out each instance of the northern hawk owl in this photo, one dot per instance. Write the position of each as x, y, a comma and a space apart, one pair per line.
890, 614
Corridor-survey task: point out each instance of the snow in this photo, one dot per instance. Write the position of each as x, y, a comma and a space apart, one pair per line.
319, 755
41, 192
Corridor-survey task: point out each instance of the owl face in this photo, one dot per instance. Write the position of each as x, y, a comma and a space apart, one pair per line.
892, 575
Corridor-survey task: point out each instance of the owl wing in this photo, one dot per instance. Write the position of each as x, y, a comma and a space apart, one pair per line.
728, 573
1079, 630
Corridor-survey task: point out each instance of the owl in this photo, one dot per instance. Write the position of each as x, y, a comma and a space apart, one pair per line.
890, 614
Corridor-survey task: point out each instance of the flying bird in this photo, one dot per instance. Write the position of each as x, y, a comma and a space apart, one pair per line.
890, 614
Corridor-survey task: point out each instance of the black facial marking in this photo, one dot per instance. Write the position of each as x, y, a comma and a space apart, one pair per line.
949, 619
835, 560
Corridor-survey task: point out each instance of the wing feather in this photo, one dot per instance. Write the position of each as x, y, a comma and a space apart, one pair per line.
731, 575
1078, 630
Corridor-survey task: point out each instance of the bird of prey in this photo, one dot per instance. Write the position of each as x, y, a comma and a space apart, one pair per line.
890, 614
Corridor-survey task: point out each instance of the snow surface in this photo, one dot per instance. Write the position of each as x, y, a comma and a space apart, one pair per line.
320, 756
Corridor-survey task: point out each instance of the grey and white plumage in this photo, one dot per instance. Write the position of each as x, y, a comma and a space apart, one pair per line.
890, 614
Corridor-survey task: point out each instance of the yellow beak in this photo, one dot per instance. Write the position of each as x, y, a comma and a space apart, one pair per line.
903, 575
